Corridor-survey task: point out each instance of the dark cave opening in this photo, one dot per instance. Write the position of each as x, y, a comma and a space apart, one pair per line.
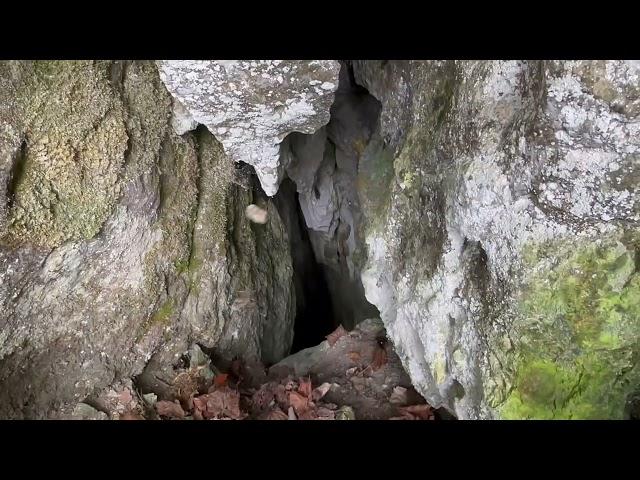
319, 203
314, 307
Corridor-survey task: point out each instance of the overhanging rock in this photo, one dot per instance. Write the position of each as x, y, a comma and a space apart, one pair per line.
252, 105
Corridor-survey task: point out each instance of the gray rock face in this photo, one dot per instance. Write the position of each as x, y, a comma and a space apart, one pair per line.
511, 188
88, 300
489, 210
250, 106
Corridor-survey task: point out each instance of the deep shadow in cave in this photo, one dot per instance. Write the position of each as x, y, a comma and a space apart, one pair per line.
326, 259
314, 309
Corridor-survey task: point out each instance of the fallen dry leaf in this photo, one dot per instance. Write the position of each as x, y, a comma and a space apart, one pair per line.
169, 409
379, 358
320, 391
298, 402
334, 336
200, 403
221, 402
421, 412
305, 387
354, 356
220, 380
398, 396
415, 412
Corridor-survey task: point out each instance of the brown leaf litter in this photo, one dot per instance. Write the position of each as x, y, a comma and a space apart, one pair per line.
360, 374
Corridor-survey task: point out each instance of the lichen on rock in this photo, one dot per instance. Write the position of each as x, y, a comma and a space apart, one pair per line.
75, 144
251, 105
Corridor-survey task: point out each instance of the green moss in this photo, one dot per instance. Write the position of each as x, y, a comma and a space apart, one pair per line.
579, 332
182, 266
189, 266
162, 315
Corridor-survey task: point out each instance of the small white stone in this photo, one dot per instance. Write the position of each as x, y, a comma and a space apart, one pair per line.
256, 214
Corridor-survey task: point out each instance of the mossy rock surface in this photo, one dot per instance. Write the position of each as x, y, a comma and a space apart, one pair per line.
73, 153
578, 331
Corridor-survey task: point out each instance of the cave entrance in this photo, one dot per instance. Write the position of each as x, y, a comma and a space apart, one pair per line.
314, 306
318, 201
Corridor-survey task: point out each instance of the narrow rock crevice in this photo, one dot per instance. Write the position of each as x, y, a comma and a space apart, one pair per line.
319, 203
314, 312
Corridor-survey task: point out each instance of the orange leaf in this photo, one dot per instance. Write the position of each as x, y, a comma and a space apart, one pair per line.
298, 402
379, 358
169, 409
305, 387
422, 412
220, 379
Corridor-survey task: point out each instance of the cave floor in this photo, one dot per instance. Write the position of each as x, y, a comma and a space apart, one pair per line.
351, 375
